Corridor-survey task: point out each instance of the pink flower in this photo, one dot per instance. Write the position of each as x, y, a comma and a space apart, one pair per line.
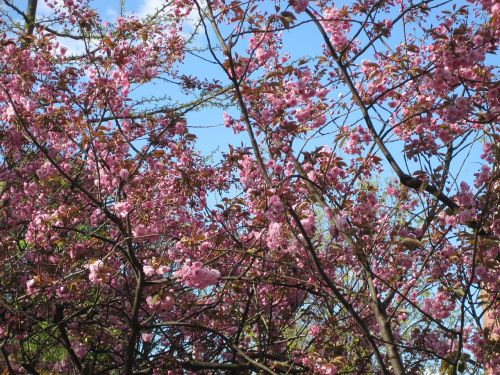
122, 209
157, 301
275, 211
95, 269
495, 9
31, 286
96, 217
148, 270
228, 120
338, 28
147, 337
79, 349
162, 270
180, 127
150, 72
123, 174
45, 171
274, 238
326, 370
341, 223
262, 55
461, 102
197, 276
483, 176
314, 330
167, 303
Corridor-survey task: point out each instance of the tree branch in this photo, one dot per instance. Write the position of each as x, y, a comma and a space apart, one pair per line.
405, 179
29, 25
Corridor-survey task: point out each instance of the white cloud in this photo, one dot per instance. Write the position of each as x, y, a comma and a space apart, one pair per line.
149, 7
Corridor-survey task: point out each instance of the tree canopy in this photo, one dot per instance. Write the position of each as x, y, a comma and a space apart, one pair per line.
250, 187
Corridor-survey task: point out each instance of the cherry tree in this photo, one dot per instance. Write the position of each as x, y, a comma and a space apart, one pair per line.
350, 226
